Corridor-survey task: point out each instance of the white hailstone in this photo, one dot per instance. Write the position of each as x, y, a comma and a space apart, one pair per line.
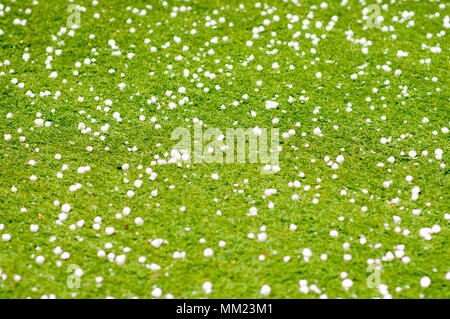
334, 233
109, 230
425, 233
139, 221
347, 283
265, 290
207, 287
81, 170
120, 260
317, 131
178, 255
157, 292
65, 208
155, 267
40, 259
34, 228
303, 283
6, 237
215, 176
262, 236
65, 255
436, 229
415, 193
208, 252
387, 184
130, 193
340, 159
425, 120
303, 287
62, 216
416, 211
126, 211
79, 272
412, 154
293, 227
39, 122
7, 137
271, 105
111, 257
157, 242
142, 259
425, 282
319, 75
253, 211
307, 253
438, 153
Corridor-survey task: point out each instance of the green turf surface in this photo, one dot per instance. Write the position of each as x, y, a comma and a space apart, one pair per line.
376, 121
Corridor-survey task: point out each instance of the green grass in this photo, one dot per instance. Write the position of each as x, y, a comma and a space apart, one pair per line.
233, 270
